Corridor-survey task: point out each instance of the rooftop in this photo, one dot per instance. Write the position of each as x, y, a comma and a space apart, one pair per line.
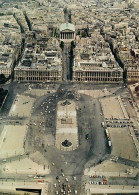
67, 26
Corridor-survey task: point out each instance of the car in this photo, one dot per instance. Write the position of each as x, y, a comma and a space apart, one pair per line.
40, 180
62, 190
35, 177
68, 185
74, 178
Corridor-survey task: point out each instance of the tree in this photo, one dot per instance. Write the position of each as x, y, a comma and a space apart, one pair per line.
125, 75
2, 78
72, 45
3, 93
55, 33
62, 45
83, 34
65, 10
78, 33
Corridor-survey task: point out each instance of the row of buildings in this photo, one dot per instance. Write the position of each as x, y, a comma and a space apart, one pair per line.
122, 34
10, 43
94, 62
42, 60
94, 30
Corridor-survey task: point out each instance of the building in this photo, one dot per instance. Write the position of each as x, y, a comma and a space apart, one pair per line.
97, 72
37, 74
94, 61
47, 67
41, 61
67, 32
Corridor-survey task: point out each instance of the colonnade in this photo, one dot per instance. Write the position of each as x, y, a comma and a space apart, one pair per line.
67, 35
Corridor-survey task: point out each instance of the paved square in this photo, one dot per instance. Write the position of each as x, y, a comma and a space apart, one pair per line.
12, 140
122, 143
112, 108
66, 126
22, 106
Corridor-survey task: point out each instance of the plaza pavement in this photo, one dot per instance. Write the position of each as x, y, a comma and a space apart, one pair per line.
66, 126
93, 189
24, 166
12, 140
122, 143
22, 106
112, 108
111, 169
95, 93
38, 92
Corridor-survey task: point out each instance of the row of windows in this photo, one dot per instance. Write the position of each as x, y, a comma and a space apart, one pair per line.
133, 73
98, 79
36, 78
55, 74
98, 74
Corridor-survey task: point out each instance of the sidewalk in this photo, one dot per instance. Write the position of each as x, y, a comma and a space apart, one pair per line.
90, 189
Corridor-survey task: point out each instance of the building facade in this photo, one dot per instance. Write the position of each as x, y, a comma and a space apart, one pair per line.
94, 73
67, 32
26, 74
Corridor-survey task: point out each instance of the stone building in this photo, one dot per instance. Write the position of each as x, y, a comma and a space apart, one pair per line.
36, 74
97, 72
67, 32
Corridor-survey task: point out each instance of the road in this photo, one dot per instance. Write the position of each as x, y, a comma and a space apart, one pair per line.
66, 62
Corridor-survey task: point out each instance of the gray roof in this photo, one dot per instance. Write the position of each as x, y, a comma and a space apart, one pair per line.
67, 26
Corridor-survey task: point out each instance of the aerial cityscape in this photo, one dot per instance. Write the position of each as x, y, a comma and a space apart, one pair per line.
69, 97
